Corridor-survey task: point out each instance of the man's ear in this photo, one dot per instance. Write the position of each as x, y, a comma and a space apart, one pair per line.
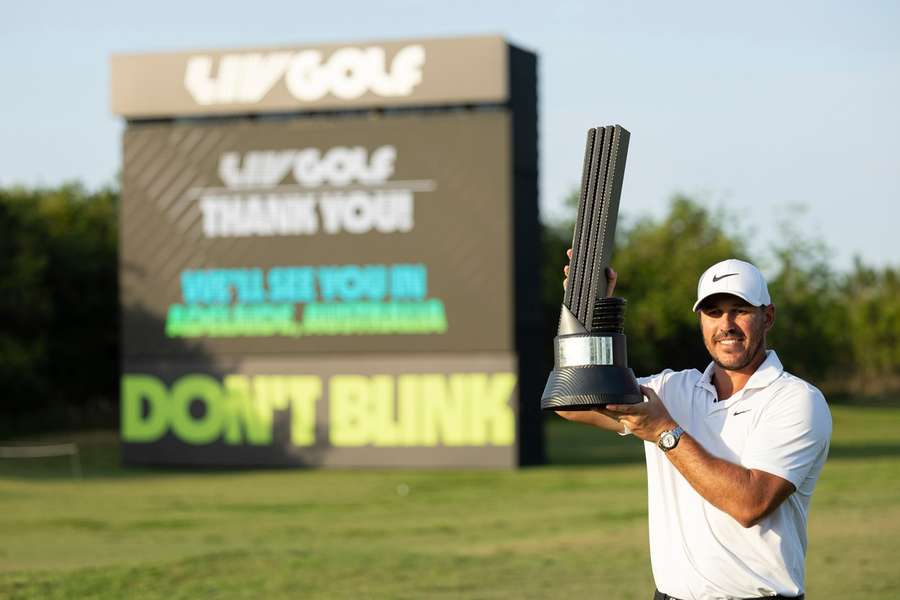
769, 316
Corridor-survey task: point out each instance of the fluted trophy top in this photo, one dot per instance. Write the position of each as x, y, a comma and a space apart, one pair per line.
595, 226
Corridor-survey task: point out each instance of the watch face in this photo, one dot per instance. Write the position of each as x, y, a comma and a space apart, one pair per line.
668, 440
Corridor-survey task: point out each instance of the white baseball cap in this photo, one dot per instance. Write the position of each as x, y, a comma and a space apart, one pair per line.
734, 277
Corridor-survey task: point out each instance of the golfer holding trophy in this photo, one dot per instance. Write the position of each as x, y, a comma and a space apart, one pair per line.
734, 452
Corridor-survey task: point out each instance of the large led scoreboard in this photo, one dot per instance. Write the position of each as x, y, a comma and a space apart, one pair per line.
329, 255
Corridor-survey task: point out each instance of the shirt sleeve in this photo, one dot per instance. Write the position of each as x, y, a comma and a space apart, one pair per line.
655, 382
791, 436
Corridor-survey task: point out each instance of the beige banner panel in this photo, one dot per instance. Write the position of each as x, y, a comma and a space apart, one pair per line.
466, 70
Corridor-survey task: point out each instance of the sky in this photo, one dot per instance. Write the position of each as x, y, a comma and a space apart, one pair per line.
779, 113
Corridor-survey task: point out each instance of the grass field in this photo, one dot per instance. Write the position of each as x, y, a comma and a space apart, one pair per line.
573, 529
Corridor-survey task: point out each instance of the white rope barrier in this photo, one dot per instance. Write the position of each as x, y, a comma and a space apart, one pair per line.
45, 451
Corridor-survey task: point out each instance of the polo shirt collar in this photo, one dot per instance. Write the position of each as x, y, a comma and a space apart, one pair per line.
770, 370
767, 372
705, 380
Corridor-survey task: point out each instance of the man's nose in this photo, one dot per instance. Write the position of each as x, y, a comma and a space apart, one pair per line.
727, 324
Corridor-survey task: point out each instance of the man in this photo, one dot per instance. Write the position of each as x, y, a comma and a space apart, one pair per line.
733, 453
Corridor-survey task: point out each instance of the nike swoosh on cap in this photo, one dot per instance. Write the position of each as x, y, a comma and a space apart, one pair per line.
718, 277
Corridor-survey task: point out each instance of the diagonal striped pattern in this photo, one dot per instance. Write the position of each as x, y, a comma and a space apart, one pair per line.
161, 164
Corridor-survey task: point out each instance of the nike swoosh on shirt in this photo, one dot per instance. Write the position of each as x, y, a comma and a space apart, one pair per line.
718, 277
742, 412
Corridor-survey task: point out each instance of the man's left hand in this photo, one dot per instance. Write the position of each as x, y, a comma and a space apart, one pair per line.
646, 420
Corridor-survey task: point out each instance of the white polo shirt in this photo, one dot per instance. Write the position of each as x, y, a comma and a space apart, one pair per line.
777, 423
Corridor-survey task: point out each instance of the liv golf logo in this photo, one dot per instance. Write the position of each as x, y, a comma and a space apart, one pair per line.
308, 191
348, 73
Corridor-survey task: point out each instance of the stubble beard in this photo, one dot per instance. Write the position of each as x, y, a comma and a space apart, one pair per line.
747, 358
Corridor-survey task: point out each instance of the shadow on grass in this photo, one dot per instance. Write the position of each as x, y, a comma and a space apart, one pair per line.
887, 400
100, 457
848, 451
60, 470
576, 444
568, 444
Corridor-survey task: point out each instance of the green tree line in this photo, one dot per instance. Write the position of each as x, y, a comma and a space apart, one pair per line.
59, 314
841, 330
59, 329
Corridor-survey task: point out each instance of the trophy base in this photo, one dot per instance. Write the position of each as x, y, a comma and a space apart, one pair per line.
575, 388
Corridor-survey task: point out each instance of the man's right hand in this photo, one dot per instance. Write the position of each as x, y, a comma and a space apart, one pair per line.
611, 276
